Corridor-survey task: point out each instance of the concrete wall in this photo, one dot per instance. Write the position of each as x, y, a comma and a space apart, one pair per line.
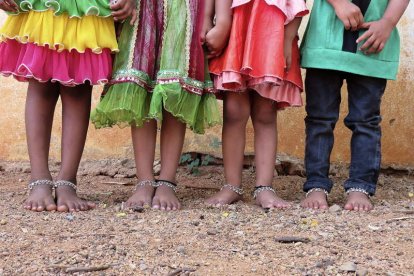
398, 124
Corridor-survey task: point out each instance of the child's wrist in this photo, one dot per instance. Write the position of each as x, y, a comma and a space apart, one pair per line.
389, 21
224, 22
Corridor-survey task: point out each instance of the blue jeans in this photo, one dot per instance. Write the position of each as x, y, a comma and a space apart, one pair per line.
323, 98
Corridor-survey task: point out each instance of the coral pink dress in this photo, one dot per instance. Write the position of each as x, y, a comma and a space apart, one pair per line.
254, 58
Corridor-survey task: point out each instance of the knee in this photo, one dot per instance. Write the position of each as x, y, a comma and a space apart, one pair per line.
352, 122
265, 117
236, 114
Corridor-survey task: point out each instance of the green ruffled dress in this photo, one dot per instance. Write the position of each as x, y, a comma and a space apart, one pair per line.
72, 8
160, 66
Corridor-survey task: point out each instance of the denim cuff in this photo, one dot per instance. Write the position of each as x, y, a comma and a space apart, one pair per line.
359, 184
322, 183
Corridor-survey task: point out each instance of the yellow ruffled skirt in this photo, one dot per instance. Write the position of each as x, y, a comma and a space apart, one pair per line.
49, 47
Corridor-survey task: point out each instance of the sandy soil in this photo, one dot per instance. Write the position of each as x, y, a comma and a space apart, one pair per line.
239, 240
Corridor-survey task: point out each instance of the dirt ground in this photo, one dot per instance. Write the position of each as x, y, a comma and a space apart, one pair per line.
238, 240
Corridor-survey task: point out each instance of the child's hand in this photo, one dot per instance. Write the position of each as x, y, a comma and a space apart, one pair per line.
122, 9
9, 6
376, 36
217, 38
207, 26
349, 13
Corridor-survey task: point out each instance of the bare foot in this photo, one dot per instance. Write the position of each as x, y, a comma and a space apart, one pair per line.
358, 202
40, 199
224, 197
142, 197
68, 201
165, 199
269, 200
315, 200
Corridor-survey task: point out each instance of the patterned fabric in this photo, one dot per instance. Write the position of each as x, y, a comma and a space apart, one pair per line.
161, 66
74, 8
60, 41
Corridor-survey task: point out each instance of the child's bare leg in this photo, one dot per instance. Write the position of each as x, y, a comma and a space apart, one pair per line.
40, 106
264, 117
76, 103
236, 115
144, 140
357, 201
172, 140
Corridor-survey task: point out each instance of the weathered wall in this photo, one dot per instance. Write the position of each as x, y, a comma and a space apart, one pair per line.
398, 124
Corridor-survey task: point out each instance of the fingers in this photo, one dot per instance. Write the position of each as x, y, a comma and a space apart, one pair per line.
122, 14
353, 23
370, 41
365, 25
124, 9
365, 36
360, 19
347, 24
134, 17
288, 62
13, 5
374, 47
118, 5
203, 38
5, 7
213, 54
381, 47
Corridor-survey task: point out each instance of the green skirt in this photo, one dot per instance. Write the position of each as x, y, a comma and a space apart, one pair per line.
160, 66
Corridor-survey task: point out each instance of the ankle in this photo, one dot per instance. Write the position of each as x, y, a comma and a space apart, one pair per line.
314, 191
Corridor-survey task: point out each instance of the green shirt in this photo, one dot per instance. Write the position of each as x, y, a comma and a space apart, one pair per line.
327, 45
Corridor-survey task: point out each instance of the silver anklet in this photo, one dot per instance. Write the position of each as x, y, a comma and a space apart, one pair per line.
166, 183
142, 183
259, 189
317, 190
233, 188
41, 182
358, 190
65, 183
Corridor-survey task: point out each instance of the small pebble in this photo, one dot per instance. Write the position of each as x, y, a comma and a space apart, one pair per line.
181, 250
3, 222
212, 232
335, 208
69, 217
361, 271
348, 267
138, 209
143, 266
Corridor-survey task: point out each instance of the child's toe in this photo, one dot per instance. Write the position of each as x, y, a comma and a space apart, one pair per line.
40, 207
156, 203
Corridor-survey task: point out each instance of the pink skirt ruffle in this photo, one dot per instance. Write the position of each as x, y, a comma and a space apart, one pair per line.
29, 61
290, 8
284, 93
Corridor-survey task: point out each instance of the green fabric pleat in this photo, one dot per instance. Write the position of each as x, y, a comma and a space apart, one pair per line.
131, 104
124, 104
198, 112
74, 8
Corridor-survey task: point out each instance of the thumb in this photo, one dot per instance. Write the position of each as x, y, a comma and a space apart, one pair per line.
365, 25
